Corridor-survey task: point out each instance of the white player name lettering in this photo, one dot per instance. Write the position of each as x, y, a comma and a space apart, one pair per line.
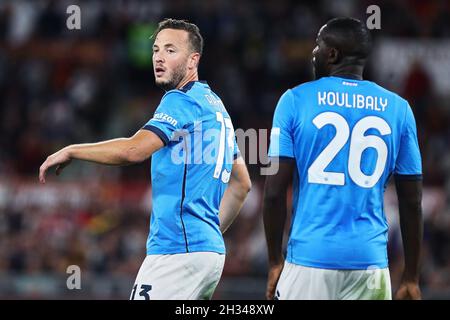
164, 117
355, 101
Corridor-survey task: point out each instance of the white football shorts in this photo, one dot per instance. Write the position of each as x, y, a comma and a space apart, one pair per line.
184, 276
304, 283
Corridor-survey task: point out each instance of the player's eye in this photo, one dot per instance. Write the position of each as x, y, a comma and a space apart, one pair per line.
170, 50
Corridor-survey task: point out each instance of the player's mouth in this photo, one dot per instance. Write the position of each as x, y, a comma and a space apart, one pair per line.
159, 71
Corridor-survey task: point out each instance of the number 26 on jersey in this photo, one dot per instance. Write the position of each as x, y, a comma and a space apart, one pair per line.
358, 143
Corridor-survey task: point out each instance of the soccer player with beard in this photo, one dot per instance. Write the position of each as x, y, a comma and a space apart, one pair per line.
199, 183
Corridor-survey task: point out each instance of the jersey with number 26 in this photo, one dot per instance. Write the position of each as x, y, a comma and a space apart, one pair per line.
191, 172
347, 137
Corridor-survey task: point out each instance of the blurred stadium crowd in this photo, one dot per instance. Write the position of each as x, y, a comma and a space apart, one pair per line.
60, 86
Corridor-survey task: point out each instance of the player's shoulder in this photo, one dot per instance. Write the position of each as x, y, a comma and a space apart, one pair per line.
175, 94
289, 99
188, 92
309, 87
306, 86
177, 97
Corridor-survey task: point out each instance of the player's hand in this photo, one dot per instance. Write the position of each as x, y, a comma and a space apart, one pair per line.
60, 159
408, 290
273, 276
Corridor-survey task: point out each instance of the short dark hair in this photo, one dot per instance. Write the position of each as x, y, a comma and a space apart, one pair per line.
195, 38
349, 35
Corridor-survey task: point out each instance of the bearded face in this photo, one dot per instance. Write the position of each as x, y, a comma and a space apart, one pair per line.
170, 58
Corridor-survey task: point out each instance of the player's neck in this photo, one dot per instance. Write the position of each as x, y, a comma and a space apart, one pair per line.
348, 71
188, 78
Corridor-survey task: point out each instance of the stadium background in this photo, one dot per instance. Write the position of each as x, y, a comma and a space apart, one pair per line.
59, 87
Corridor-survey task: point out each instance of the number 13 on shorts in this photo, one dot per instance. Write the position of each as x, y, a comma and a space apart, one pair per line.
144, 291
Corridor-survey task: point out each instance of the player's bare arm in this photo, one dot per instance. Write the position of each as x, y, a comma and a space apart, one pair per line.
409, 194
121, 151
274, 214
234, 197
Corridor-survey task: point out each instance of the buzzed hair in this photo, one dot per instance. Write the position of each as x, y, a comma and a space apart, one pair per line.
195, 38
349, 36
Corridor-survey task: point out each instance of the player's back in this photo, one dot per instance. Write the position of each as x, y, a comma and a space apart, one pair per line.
190, 174
347, 138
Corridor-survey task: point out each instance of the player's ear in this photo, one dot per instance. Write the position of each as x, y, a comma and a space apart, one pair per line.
333, 56
194, 59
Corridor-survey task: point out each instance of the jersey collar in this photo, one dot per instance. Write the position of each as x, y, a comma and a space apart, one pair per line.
188, 86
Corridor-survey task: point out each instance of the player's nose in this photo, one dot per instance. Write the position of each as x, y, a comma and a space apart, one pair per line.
158, 57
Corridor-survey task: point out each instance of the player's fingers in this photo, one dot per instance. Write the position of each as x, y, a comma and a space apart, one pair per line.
274, 276
42, 171
398, 294
44, 167
401, 293
415, 293
271, 286
270, 292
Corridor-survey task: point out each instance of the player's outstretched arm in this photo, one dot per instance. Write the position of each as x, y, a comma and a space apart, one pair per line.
409, 194
234, 196
121, 151
274, 214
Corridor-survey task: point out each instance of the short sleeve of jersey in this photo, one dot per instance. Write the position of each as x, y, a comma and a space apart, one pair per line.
409, 161
175, 113
281, 137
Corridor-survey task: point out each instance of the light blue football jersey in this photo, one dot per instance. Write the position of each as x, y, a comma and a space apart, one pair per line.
190, 173
347, 137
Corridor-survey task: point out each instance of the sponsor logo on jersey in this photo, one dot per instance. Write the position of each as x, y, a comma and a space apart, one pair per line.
165, 118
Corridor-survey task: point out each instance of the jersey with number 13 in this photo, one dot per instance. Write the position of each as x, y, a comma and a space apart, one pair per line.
347, 137
191, 172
